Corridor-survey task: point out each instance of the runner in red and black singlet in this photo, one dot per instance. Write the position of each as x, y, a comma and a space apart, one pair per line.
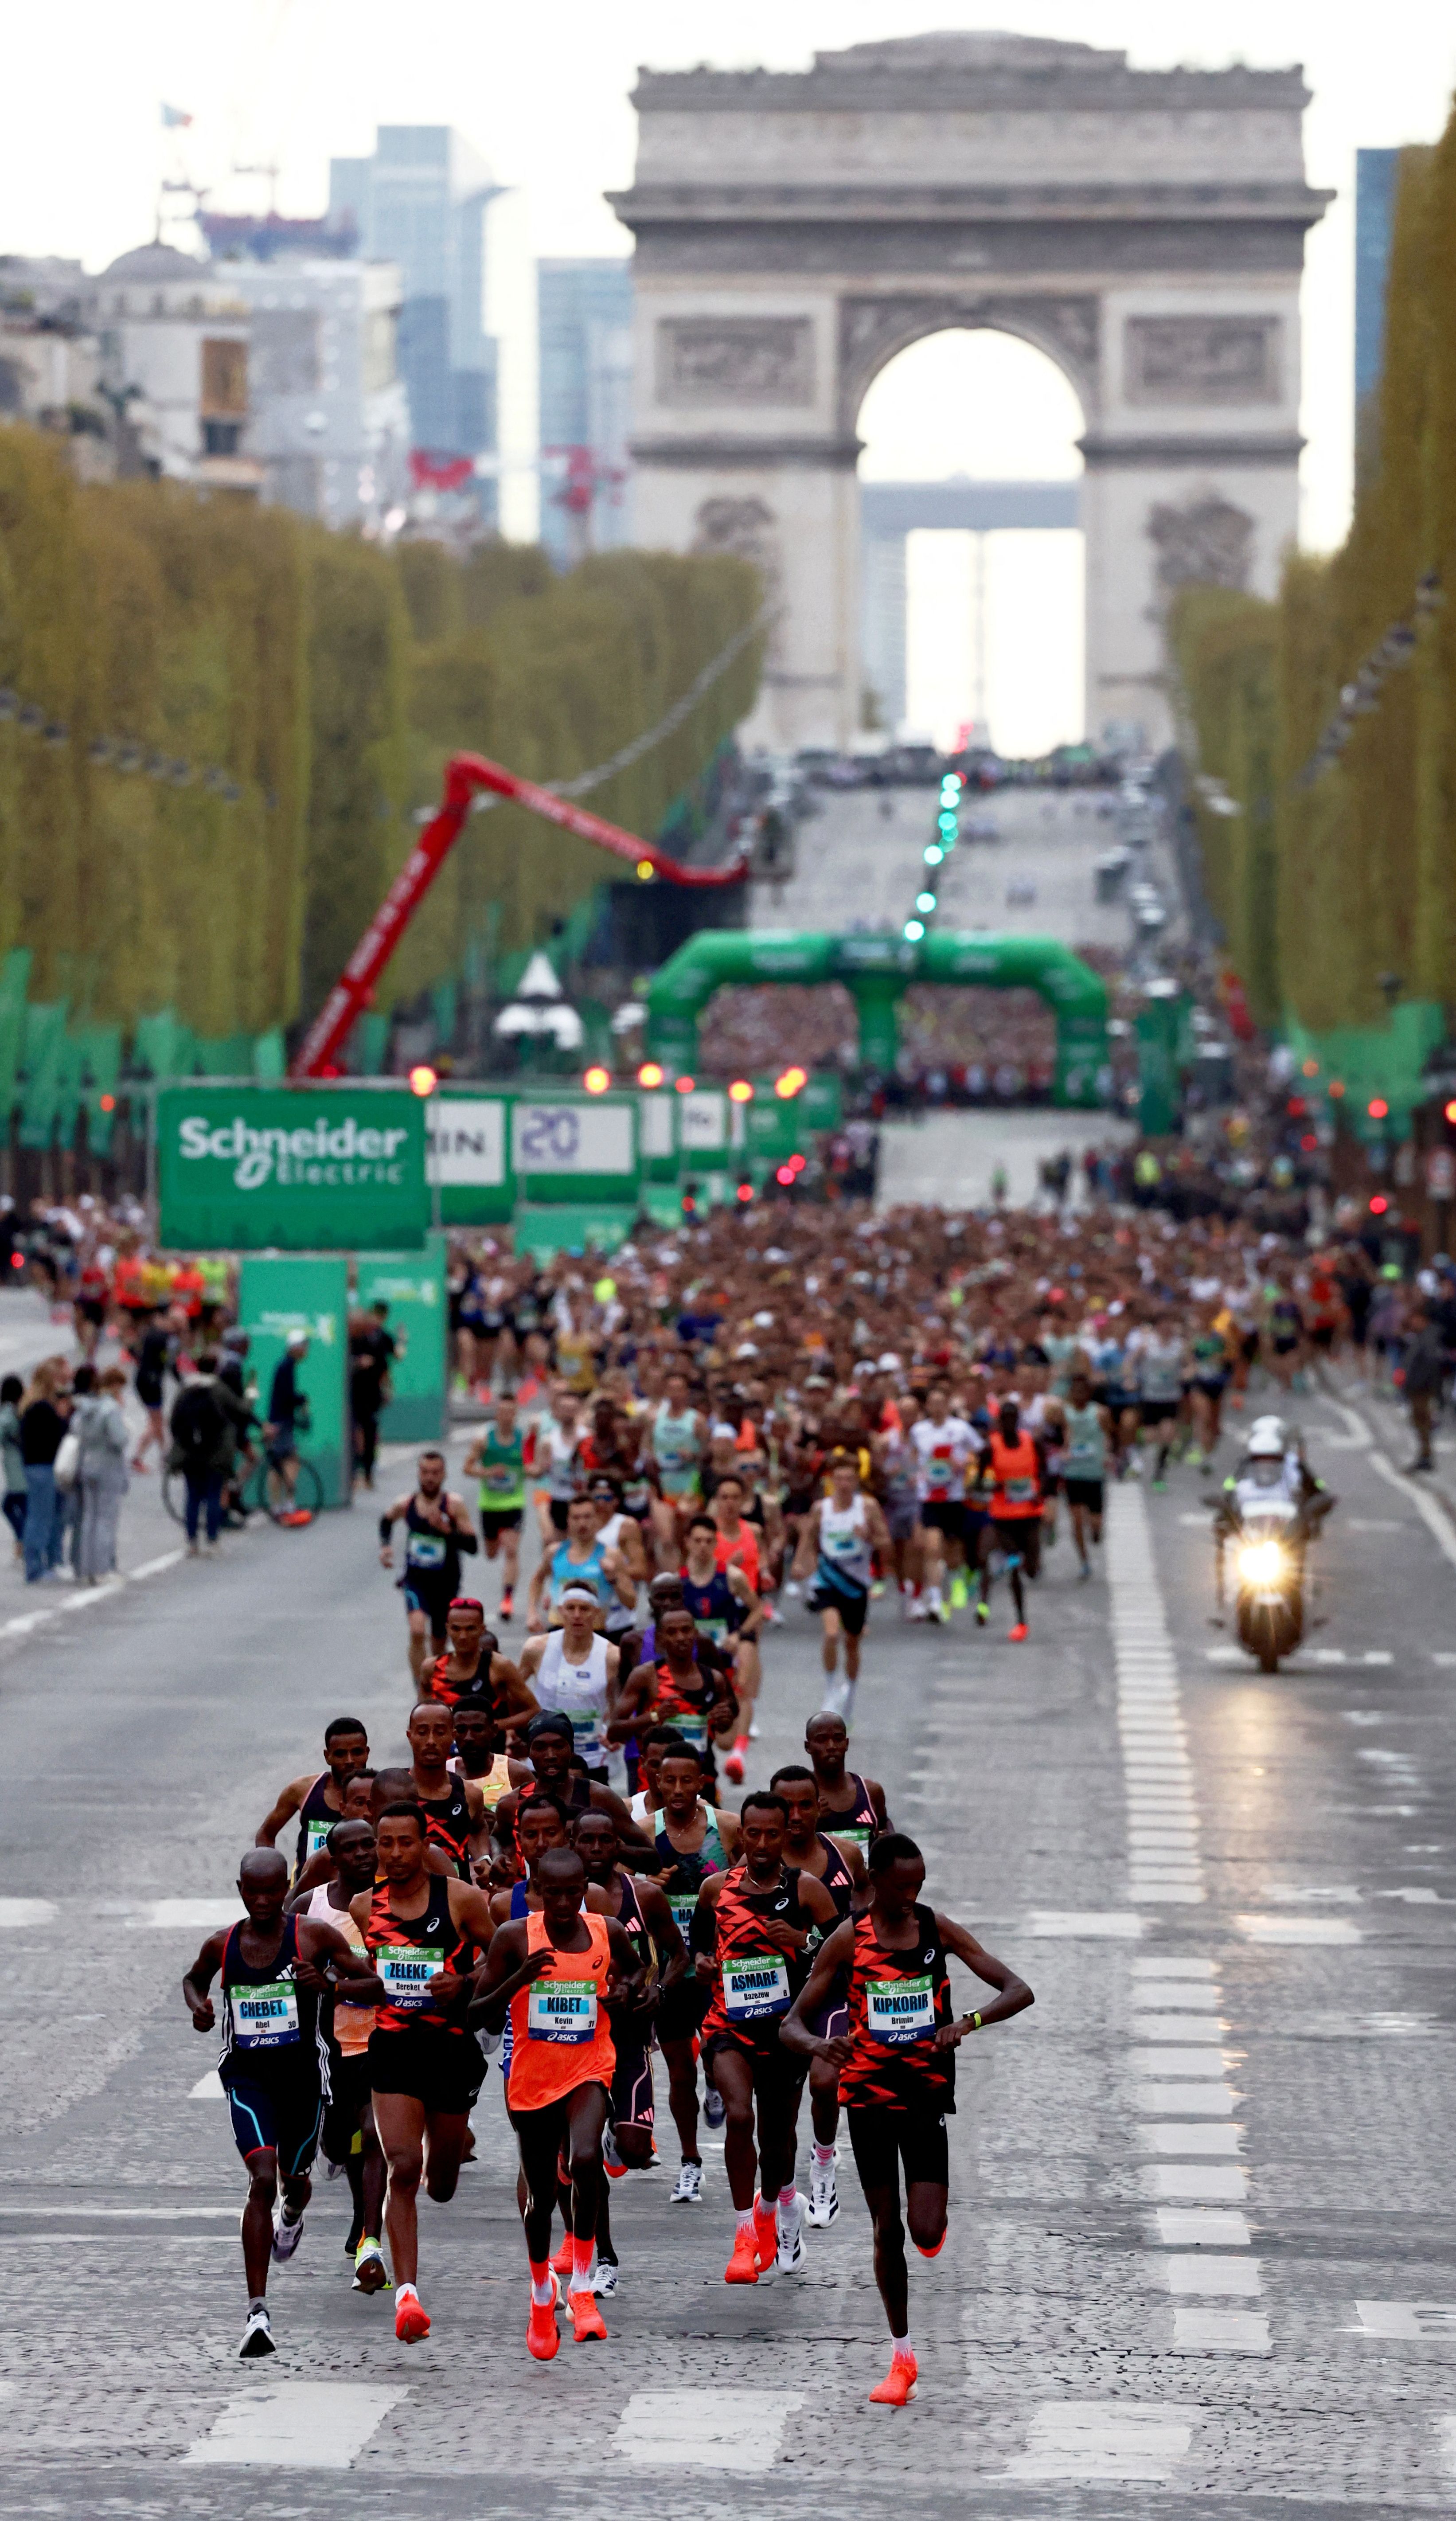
840, 1868
454, 1807
318, 1801
897, 2065
474, 1668
421, 1931
677, 1687
751, 1933
550, 1743
850, 1806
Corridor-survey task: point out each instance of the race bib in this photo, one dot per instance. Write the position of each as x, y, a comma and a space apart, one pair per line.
693, 1728
1020, 1491
265, 2017
899, 2009
499, 1477
319, 1826
715, 1630
684, 1907
427, 1549
755, 1989
855, 1833
561, 2010
585, 1722
405, 1970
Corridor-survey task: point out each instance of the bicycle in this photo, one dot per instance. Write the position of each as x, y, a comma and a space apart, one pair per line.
264, 1491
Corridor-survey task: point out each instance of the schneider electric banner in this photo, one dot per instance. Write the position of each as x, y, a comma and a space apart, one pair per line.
293, 1169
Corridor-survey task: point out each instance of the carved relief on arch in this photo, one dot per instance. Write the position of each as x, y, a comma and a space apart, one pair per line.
1203, 540
748, 528
874, 329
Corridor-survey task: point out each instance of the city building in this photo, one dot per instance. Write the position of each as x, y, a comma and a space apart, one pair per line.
421, 203
584, 315
174, 335
330, 416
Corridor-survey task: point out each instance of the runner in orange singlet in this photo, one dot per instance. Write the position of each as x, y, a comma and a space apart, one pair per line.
1013, 1466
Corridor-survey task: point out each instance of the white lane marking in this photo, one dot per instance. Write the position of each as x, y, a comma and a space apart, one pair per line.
1215, 2183
193, 1914
1195, 2100
1174, 1991
1299, 1930
737, 2430
1186, 2027
1196, 2064
1099, 2440
1173, 1965
295, 2424
121, 2213
1161, 1893
1208, 2274
1371, 1523
209, 2087
1406, 2320
1430, 1512
157, 1566
1416, 1898
1196, 2228
26, 1912
1118, 1924
1163, 2136
1220, 2332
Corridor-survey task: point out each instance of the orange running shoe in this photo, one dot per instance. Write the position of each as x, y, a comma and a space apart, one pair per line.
743, 2267
766, 2243
1017, 1636
586, 2319
564, 2262
733, 1768
899, 2384
542, 2334
411, 2320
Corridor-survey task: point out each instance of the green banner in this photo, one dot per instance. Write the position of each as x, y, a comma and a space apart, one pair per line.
296, 1168
469, 1156
412, 1285
281, 1292
545, 1231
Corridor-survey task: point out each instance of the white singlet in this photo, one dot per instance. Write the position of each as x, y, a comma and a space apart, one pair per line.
577, 1690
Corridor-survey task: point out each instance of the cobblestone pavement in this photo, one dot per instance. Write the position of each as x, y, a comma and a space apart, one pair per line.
1203, 2210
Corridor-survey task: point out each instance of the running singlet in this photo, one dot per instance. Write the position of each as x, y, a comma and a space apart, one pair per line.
897, 2002
687, 1716
844, 1563
563, 1462
567, 1570
449, 1825
576, 1690
316, 1818
676, 1448
714, 1611
755, 1984
837, 1878
559, 2034
1017, 1472
353, 2023
271, 2031
740, 1551
476, 1690
502, 1472
943, 1452
493, 1781
691, 1871
859, 1822
430, 1555
407, 1952
1085, 1456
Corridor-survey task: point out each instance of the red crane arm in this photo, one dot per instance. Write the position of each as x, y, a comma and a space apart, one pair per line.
465, 774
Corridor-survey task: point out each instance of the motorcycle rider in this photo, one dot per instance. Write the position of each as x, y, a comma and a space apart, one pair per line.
1273, 1467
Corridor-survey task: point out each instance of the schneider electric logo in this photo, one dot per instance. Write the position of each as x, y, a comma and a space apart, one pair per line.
323, 1152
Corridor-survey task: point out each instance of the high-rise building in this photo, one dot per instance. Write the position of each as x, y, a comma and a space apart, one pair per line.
422, 202
1376, 174
329, 417
584, 314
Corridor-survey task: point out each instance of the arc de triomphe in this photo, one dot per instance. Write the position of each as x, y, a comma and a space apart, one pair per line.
795, 229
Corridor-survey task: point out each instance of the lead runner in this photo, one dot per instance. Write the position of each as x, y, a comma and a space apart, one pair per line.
897, 2066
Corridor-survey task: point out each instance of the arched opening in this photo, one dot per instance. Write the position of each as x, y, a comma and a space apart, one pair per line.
979, 621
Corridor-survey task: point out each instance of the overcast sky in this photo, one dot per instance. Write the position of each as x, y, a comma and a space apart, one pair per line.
543, 93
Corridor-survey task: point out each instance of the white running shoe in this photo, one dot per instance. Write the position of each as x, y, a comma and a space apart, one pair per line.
604, 2281
286, 2236
824, 2197
916, 1609
791, 2249
689, 2190
257, 2336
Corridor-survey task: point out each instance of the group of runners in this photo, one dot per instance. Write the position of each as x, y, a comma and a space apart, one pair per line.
549, 1882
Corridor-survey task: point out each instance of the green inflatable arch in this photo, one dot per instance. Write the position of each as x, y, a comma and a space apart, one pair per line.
877, 971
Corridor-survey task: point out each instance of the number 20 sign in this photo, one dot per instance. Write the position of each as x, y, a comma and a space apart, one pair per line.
574, 1138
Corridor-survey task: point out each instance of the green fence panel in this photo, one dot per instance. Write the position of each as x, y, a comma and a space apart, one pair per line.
279, 1292
412, 1285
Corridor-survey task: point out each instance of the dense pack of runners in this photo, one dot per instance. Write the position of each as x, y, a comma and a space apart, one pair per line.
570, 1863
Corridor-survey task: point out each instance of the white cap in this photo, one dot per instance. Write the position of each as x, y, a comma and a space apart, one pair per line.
888, 1363
297, 1339
1265, 1443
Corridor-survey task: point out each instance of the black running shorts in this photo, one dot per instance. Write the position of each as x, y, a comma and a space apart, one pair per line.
882, 2139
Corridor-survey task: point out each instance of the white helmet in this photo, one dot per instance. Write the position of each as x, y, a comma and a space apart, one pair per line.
1265, 1440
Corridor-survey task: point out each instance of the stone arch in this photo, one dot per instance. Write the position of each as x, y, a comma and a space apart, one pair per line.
873, 331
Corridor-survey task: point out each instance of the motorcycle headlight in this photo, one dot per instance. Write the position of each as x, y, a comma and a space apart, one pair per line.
1262, 1562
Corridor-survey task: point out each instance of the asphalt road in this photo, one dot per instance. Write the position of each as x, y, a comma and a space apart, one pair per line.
1203, 2213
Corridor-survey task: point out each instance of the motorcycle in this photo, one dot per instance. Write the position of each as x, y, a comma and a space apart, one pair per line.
1267, 1547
